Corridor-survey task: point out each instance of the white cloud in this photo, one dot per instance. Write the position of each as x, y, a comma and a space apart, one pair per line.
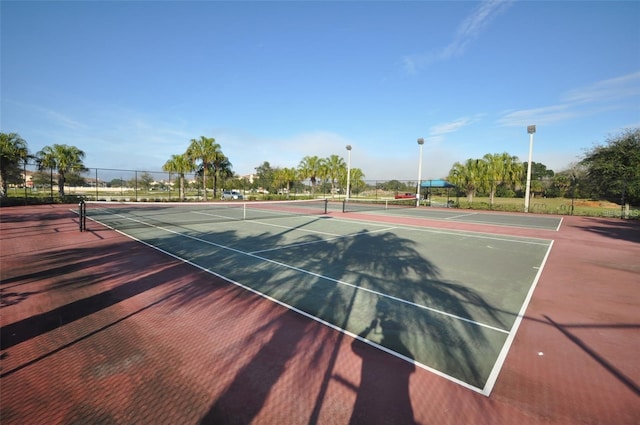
594, 98
606, 90
410, 64
64, 120
55, 117
538, 116
468, 30
473, 26
453, 126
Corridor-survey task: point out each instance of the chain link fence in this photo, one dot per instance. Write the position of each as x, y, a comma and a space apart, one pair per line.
36, 186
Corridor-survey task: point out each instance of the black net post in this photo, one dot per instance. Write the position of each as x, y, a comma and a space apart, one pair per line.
83, 216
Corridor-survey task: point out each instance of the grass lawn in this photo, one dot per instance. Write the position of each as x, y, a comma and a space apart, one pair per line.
562, 206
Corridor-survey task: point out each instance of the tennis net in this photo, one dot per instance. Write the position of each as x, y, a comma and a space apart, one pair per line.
357, 205
118, 214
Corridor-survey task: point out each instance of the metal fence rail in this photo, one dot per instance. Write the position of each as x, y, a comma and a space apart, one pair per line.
110, 184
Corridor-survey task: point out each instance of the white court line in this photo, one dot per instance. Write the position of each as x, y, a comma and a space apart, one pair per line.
497, 366
458, 216
216, 215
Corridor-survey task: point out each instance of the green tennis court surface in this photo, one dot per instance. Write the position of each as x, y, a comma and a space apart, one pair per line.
449, 301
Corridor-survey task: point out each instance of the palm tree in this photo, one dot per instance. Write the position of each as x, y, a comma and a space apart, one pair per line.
494, 172
500, 169
334, 167
286, 176
203, 150
468, 176
357, 180
65, 158
13, 149
45, 161
179, 164
221, 169
309, 168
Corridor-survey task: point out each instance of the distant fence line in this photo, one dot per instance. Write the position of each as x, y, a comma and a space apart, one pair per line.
140, 185
98, 180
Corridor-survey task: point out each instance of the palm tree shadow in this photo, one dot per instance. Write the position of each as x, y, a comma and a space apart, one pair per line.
241, 402
372, 264
384, 382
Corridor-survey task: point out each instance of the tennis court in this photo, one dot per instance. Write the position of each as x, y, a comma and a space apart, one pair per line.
448, 301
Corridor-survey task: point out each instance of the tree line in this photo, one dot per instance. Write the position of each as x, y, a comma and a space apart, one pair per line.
15, 155
610, 170
204, 156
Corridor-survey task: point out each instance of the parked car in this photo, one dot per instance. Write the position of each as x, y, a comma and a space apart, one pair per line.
231, 194
405, 195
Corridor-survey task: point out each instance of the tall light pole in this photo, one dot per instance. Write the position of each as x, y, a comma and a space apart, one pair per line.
348, 171
531, 130
420, 143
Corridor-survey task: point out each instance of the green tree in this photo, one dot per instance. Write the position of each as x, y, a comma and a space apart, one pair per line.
540, 172
13, 151
334, 167
560, 186
265, 176
46, 161
146, 180
357, 180
116, 183
64, 158
309, 168
468, 176
500, 169
541, 178
286, 177
221, 170
40, 179
613, 170
203, 152
180, 165
75, 180
396, 186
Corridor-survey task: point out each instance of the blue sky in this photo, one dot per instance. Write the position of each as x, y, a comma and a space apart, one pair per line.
131, 83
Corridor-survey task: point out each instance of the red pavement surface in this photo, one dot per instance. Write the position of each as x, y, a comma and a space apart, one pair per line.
100, 329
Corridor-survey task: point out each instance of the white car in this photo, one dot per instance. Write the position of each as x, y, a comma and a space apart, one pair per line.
231, 194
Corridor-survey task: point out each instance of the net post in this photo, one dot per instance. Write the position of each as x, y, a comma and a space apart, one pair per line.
326, 203
344, 205
82, 214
